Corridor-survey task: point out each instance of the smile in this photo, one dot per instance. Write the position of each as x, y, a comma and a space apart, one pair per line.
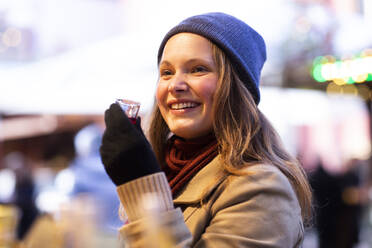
183, 105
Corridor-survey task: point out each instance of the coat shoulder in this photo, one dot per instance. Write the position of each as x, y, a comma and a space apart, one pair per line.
264, 184
261, 204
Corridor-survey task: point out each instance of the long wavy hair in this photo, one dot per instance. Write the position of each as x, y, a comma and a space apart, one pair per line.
244, 135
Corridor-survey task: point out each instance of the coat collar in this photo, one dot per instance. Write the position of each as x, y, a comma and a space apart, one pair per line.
204, 182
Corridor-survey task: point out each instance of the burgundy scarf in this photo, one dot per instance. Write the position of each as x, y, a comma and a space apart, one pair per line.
185, 158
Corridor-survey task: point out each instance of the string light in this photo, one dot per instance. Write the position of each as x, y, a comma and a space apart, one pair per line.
355, 69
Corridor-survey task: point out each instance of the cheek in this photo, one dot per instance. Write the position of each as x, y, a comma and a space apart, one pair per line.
160, 93
207, 91
160, 96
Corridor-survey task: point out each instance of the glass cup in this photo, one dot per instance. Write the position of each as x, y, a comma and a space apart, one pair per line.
130, 108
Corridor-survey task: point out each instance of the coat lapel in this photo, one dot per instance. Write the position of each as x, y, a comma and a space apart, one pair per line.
202, 184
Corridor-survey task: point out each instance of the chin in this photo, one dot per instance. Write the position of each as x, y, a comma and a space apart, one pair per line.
183, 133
188, 133
189, 129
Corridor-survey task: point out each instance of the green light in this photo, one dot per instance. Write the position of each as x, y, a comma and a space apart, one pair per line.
350, 81
369, 78
355, 69
319, 60
317, 73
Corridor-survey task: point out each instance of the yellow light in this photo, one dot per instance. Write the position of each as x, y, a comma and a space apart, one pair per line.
330, 58
360, 78
333, 88
12, 37
339, 81
349, 89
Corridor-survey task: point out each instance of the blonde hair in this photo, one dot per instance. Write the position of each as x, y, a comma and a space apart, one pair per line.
244, 135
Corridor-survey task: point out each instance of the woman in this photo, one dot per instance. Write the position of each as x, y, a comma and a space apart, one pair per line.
219, 171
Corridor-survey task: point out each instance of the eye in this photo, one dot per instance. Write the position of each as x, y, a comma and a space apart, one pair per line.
199, 68
165, 73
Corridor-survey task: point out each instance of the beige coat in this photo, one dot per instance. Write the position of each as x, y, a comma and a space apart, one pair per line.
257, 210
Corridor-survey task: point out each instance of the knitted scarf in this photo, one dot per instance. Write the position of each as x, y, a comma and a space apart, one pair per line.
184, 158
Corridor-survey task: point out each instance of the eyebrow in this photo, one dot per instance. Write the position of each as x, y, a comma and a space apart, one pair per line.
210, 62
164, 62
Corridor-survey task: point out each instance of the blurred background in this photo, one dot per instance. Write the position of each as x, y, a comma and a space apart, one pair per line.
62, 63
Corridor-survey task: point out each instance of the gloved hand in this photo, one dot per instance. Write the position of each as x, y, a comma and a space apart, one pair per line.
125, 151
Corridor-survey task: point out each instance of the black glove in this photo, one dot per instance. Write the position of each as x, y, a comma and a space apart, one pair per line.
125, 151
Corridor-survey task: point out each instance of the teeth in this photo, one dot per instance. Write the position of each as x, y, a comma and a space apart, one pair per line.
183, 105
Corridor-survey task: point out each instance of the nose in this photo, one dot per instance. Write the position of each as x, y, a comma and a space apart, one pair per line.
178, 83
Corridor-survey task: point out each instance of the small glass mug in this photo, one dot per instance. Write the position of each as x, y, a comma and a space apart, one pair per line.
130, 108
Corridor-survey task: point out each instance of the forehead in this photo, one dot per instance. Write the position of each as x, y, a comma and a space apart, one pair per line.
187, 44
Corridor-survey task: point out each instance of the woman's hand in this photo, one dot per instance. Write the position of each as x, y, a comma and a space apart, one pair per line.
125, 151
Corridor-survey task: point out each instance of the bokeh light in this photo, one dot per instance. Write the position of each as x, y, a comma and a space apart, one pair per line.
7, 184
12, 37
333, 88
350, 89
349, 70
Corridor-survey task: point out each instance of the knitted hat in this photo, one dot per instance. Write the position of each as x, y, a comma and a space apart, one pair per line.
243, 45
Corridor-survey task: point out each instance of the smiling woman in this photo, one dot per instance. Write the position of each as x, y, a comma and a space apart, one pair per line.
214, 163
187, 83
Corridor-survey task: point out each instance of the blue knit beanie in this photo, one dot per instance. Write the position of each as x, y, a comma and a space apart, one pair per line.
242, 44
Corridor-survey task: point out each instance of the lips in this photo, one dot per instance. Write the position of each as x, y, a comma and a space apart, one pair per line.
183, 105
180, 105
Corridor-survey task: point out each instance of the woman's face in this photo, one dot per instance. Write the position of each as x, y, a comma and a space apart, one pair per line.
187, 82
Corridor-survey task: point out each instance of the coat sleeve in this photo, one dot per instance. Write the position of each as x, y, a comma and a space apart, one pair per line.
141, 228
259, 210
